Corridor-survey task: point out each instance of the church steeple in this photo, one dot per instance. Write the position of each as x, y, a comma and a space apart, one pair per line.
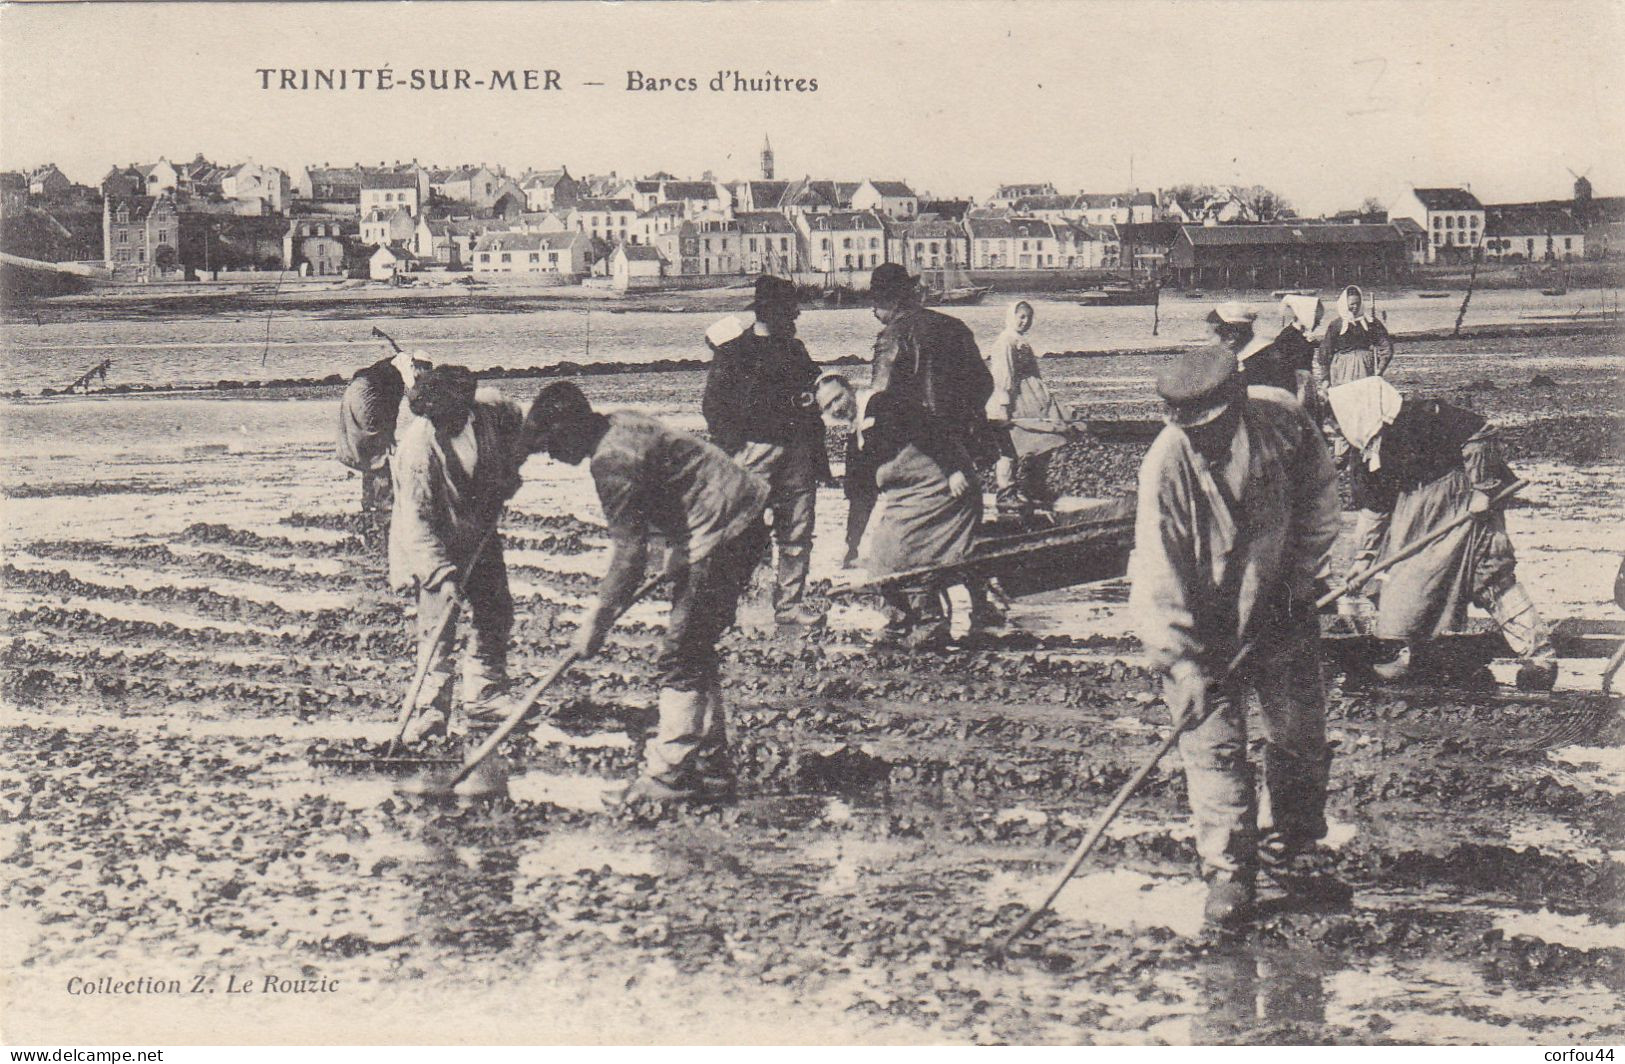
767, 158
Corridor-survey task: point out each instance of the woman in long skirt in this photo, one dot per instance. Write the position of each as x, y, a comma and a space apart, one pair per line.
1029, 423
929, 505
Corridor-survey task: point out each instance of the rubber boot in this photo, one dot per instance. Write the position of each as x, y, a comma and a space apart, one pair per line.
713, 763
1521, 625
670, 753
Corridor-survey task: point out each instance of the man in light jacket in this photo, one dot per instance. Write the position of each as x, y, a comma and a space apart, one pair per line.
1238, 508
455, 467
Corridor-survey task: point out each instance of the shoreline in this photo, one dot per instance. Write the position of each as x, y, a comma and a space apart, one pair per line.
566, 368
504, 295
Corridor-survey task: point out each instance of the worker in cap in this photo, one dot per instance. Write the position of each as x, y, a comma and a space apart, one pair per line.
456, 465
655, 482
1237, 511
759, 408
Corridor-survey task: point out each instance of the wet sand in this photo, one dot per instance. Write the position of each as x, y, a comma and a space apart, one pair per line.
194, 634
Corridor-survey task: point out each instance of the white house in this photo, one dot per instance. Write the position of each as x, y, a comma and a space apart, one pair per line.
636, 266
390, 260
1116, 208
1532, 232
842, 240
160, 177
472, 185
1452, 218
386, 191
259, 189
560, 254
550, 190
768, 243
932, 244
891, 198
610, 220
388, 227
990, 241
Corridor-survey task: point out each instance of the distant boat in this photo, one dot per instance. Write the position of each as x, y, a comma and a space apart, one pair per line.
1284, 292
1433, 295
1119, 295
952, 288
1554, 291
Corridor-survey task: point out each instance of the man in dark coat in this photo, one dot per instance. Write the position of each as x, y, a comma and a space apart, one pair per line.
930, 361
928, 358
759, 408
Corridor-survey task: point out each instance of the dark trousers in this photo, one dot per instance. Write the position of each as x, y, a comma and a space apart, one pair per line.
703, 606
377, 499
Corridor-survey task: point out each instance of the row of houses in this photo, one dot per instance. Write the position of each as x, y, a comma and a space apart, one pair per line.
1455, 226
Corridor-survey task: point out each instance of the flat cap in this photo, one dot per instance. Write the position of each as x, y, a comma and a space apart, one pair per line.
1194, 385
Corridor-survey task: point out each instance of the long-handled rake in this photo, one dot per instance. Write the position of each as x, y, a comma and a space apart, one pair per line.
426, 654
440, 785
1194, 717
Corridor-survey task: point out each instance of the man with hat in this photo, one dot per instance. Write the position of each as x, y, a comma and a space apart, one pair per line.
1238, 508
370, 413
656, 482
457, 464
929, 360
759, 408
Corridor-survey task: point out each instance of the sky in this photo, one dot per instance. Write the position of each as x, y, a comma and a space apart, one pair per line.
1326, 102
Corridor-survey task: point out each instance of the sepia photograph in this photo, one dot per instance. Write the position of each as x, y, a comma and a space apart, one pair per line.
817, 523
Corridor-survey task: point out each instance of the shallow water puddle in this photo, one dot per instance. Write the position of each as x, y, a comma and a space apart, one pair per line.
1581, 932
584, 793
1118, 899
566, 852
1424, 1002
1600, 767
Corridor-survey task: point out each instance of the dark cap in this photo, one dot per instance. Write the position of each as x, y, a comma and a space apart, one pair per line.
1197, 386
442, 389
889, 281
771, 291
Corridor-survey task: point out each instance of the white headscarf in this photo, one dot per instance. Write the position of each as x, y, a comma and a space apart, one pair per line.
1010, 316
1345, 313
1363, 408
1303, 311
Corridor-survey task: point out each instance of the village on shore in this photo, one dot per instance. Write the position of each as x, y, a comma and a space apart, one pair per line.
405, 223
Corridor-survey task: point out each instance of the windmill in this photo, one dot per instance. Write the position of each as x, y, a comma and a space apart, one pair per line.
1582, 190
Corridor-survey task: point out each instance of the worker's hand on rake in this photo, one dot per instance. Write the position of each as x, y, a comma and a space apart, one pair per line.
1479, 504
1186, 690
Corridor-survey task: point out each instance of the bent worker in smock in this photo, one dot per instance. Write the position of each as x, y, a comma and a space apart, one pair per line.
371, 416
654, 481
1425, 463
456, 466
1237, 511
